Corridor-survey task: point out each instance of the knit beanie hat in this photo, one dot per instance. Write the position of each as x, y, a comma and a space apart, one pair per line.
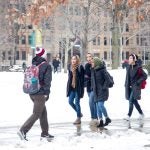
97, 62
135, 57
40, 52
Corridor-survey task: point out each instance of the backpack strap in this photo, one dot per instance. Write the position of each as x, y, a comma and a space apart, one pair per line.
41, 63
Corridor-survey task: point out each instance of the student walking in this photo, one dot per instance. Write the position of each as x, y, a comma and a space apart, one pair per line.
39, 99
134, 77
100, 87
75, 86
90, 93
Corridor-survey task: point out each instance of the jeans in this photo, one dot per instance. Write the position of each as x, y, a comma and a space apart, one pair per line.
74, 101
92, 105
133, 102
101, 110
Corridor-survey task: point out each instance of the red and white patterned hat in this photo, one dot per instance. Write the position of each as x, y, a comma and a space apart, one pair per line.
40, 52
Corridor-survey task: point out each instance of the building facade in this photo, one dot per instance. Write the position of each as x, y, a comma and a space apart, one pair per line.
74, 25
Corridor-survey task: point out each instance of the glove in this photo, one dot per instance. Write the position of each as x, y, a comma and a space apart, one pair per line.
46, 97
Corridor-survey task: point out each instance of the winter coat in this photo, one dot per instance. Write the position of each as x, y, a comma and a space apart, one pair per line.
133, 81
79, 81
55, 63
45, 75
99, 82
87, 77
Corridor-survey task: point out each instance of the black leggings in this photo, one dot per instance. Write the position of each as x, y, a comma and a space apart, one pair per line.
134, 102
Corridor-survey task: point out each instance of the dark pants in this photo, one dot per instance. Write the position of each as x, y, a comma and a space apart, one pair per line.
39, 112
55, 69
133, 102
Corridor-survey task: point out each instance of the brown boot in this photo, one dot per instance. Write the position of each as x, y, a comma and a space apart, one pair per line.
77, 121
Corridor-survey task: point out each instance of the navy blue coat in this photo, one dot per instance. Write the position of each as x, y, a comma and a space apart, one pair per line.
79, 81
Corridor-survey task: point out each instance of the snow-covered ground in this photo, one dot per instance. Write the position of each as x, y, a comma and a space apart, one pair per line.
16, 107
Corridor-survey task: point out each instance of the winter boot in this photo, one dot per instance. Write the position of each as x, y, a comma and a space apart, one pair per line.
127, 118
22, 135
48, 137
77, 121
101, 124
93, 122
108, 120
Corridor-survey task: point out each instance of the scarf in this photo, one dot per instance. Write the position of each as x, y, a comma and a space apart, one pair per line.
74, 68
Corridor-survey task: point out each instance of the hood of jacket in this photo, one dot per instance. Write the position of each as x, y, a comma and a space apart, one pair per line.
37, 60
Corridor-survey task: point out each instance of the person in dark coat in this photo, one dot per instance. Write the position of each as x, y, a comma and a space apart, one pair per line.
24, 66
90, 93
75, 86
99, 85
56, 64
133, 85
39, 99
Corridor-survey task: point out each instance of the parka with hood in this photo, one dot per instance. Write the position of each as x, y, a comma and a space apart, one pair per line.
99, 81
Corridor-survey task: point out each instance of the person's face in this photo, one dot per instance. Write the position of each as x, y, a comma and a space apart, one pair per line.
73, 60
131, 60
89, 58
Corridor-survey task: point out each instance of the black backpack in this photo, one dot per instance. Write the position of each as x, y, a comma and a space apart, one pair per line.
110, 80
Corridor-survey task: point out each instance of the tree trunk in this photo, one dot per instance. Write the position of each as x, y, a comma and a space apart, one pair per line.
115, 47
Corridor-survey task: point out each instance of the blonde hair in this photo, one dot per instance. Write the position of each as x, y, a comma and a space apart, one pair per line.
77, 58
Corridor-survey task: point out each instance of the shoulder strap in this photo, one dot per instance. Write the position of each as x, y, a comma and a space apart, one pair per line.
41, 63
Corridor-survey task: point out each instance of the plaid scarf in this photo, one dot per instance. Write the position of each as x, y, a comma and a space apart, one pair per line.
74, 68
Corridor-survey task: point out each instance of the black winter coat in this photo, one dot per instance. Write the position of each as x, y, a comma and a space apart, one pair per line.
87, 77
79, 81
133, 81
99, 84
45, 75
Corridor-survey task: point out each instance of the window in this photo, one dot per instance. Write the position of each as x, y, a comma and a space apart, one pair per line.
71, 10
23, 55
17, 40
4, 56
94, 41
127, 28
30, 40
17, 55
105, 26
105, 55
98, 41
23, 39
127, 41
84, 11
105, 41
127, 55
9, 52
122, 41
137, 40
77, 11
96, 54
30, 26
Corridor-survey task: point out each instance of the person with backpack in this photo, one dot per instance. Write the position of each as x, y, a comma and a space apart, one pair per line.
75, 86
39, 97
90, 93
100, 84
134, 78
